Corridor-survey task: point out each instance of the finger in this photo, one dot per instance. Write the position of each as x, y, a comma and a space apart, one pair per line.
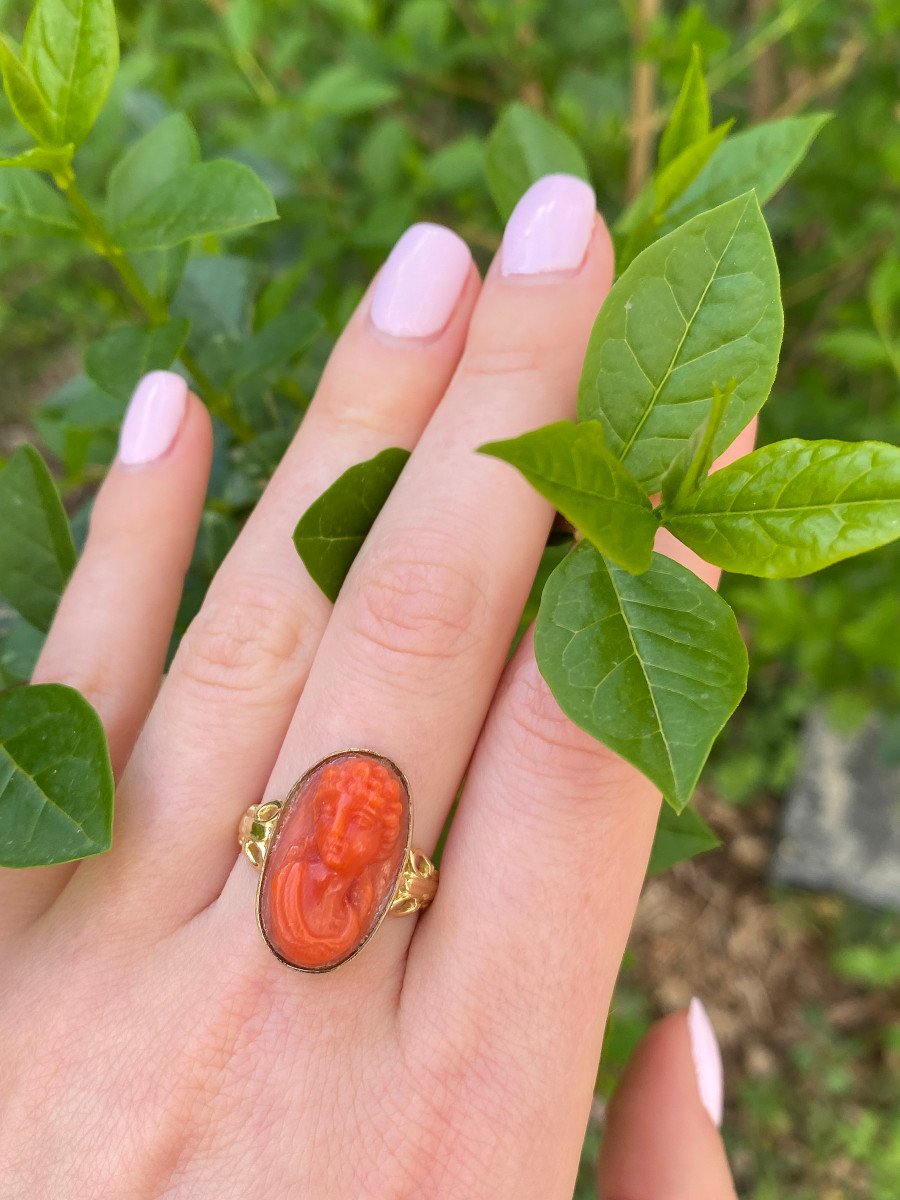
411, 657
660, 1139
213, 735
540, 876
111, 632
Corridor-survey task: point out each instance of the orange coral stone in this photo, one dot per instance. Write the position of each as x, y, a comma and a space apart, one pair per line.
333, 865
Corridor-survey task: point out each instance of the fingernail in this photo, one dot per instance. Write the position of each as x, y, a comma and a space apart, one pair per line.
153, 418
707, 1060
421, 282
550, 227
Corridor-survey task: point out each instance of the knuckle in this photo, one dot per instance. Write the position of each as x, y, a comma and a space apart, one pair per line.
247, 639
569, 780
514, 365
541, 735
419, 599
97, 679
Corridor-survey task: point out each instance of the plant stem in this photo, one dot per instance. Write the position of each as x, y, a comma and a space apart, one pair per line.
643, 88
156, 310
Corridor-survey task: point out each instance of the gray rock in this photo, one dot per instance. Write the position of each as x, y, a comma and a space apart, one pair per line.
841, 821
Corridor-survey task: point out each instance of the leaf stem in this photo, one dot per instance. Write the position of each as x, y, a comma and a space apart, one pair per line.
156, 310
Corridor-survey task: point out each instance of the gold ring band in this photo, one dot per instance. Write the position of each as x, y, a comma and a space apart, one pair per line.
335, 858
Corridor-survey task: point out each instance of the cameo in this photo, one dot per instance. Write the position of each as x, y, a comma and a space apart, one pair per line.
334, 862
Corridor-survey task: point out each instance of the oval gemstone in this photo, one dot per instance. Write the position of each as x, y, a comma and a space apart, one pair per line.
334, 862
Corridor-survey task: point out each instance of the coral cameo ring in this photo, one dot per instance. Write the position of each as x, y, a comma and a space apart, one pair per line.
335, 858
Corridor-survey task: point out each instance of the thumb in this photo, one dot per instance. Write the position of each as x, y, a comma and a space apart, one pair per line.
661, 1140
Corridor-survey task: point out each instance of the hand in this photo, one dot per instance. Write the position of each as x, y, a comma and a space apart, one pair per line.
154, 1046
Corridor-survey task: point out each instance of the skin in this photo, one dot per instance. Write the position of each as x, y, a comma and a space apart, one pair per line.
154, 1046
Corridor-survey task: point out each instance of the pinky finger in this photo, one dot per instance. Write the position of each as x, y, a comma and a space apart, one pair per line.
111, 632
661, 1138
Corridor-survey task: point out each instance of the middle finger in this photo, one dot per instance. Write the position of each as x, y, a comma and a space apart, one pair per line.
411, 657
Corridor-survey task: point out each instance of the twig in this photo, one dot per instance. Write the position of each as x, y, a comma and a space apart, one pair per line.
763, 82
156, 311
825, 81
643, 95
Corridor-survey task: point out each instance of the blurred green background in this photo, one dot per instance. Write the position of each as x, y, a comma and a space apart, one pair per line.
364, 115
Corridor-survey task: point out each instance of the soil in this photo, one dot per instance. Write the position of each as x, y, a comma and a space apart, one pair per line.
709, 928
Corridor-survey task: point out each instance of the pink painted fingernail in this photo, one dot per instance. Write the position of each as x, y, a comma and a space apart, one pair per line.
153, 418
550, 227
707, 1060
421, 282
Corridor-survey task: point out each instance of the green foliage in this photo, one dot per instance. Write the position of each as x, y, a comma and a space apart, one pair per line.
36, 551
793, 507
522, 147
690, 119
691, 464
679, 836
56, 783
762, 158
24, 96
205, 198
71, 52
651, 665
119, 360
28, 206
332, 530
571, 466
699, 307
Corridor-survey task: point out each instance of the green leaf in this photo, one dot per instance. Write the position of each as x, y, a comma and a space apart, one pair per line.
678, 174
20, 646
215, 296
761, 159
690, 117
121, 358
884, 304
36, 551
679, 836
276, 343
691, 466
697, 308
793, 507
24, 96
523, 147
861, 349
170, 147
212, 197
641, 221
71, 49
332, 530
28, 205
56, 782
571, 466
651, 665
346, 90
42, 158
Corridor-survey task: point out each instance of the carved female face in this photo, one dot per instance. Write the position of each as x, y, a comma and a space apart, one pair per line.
334, 860
357, 816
